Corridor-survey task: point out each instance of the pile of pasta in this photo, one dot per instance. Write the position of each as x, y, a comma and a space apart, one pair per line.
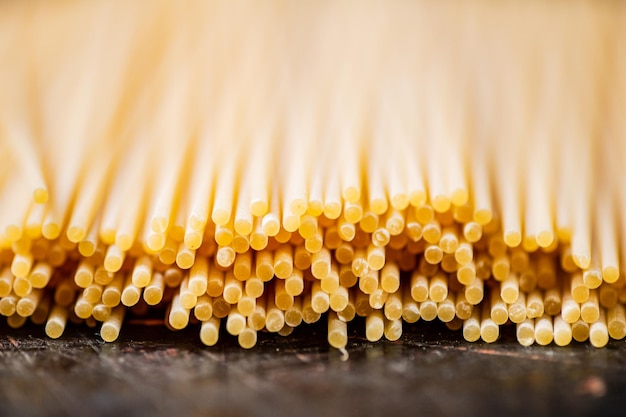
262, 165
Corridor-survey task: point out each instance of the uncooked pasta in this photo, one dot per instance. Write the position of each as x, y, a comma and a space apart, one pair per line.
256, 166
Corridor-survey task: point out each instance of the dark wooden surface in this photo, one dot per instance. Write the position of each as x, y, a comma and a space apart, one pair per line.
431, 371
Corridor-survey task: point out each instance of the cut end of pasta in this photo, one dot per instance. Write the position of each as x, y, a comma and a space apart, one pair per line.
582, 261
40, 195
512, 238
75, 234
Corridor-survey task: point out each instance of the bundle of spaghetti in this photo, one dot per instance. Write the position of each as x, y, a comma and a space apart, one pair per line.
244, 166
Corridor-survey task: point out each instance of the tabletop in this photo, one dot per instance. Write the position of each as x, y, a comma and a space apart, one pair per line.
430, 371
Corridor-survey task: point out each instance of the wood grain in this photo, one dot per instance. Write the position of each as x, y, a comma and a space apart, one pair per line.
430, 371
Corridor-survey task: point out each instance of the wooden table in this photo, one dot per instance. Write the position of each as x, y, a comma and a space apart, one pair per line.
152, 371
